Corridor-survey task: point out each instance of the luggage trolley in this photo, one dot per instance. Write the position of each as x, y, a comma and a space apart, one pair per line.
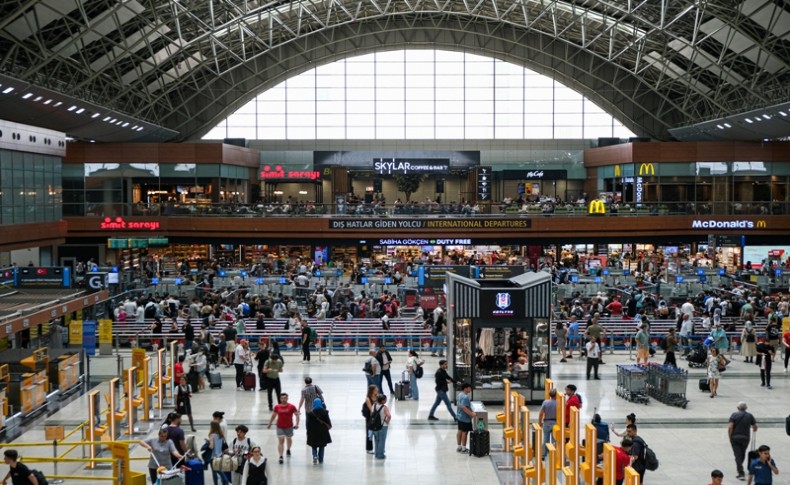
668, 385
632, 383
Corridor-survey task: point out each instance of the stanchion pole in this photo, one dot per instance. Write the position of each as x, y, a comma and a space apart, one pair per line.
54, 459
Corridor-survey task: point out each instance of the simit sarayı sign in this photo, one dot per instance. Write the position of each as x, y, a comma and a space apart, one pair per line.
109, 224
277, 172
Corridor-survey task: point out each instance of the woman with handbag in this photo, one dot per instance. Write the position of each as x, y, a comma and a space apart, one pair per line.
716, 364
218, 445
318, 426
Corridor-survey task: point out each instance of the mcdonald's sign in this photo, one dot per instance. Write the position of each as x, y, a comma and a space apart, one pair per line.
761, 225
647, 169
597, 207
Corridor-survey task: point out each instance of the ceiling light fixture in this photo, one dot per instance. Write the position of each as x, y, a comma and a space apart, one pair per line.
728, 125
767, 117
38, 98
96, 115
8, 90
749, 121
47, 101
71, 108
27, 96
59, 103
80, 111
783, 113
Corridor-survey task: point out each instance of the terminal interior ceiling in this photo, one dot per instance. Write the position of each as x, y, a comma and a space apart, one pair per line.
165, 71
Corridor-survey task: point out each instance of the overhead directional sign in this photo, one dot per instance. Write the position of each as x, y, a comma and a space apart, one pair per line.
484, 183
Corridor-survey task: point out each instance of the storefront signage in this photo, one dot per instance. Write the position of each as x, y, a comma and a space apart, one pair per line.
430, 224
534, 174
644, 169
718, 224
502, 304
424, 242
109, 224
278, 172
391, 166
597, 207
484, 183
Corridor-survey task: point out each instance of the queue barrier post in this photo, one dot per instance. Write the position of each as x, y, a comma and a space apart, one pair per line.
609, 471
572, 447
504, 417
553, 462
534, 473
631, 477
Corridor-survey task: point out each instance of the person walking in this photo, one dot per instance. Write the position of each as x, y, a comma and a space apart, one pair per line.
318, 425
217, 445
370, 400
786, 345
273, 368
547, 418
385, 361
561, 332
20, 473
763, 468
593, 356
765, 355
748, 342
442, 379
306, 341
183, 398
262, 356
669, 348
717, 477
636, 451
161, 448
412, 363
310, 392
284, 412
240, 448
742, 423
716, 362
381, 410
241, 356
372, 370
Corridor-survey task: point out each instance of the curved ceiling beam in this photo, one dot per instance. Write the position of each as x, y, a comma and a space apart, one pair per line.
618, 91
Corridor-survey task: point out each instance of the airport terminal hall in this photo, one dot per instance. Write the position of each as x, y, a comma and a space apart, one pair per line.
515, 242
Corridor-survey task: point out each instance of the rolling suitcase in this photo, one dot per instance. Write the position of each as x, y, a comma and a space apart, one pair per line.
215, 380
401, 390
703, 385
248, 381
479, 442
195, 475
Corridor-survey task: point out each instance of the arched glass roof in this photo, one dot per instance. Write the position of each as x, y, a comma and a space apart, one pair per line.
419, 94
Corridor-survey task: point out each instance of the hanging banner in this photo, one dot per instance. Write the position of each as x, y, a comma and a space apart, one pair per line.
89, 337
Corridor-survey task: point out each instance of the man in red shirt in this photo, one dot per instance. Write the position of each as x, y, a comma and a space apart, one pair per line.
572, 400
284, 412
615, 308
621, 460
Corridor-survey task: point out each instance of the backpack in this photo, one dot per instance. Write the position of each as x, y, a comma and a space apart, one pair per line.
419, 372
651, 461
368, 368
750, 336
242, 459
374, 421
40, 478
245, 309
313, 335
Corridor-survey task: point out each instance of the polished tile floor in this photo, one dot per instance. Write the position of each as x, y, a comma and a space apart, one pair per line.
689, 442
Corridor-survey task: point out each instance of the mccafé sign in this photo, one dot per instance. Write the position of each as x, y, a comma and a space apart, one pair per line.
277, 172
109, 224
736, 224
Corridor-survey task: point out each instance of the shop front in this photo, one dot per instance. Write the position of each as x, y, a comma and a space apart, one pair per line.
500, 329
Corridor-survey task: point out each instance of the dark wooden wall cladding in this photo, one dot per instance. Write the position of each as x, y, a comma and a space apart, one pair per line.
22, 236
703, 151
161, 153
611, 227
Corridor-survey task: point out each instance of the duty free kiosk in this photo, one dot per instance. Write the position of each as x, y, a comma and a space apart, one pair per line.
487, 321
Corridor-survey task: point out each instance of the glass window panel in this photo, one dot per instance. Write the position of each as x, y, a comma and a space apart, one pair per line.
476, 81
509, 131
515, 106
387, 105
272, 106
419, 132
243, 132
366, 132
568, 119
539, 106
538, 132
304, 80
475, 106
389, 69
479, 132
391, 56
419, 106
330, 107
359, 119
596, 131
420, 94
238, 119
361, 94
361, 85
300, 95
449, 92
449, 132
301, 132
360, 106
331, 132
449, 119
336, 119
301, 119
301, 107
390, 82
390, 119
363, 58
621, 131
538, 93
568, 106
449, 106
534, 80
359, 69
449, 68
562, 92
509, 93
597, 119
391, 133
538, 119
330, 94
479, 93
422, 120
331, 69
507, 119
420, 55
217, 133
267, 120
567, 132
505, 69
248, 108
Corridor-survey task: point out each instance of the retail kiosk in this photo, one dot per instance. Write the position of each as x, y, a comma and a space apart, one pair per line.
489, 323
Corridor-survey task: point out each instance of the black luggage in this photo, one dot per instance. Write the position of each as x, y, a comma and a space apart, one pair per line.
215, 380
193, 379
703, 385
787, 425
479, 442
401, 390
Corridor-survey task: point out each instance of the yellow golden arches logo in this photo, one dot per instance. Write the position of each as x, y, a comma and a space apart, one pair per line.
618, 171
597, 207
647, 169
761, 225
